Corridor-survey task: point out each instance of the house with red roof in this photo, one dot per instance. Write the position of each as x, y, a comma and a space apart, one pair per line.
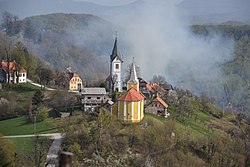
157, 106
75, 82
17, 73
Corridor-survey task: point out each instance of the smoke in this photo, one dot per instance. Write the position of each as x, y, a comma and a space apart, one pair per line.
158, 35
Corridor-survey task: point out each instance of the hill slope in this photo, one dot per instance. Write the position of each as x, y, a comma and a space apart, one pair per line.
76, 40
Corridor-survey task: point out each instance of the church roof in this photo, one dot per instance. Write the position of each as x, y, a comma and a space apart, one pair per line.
132, 95
133, 75
115, 52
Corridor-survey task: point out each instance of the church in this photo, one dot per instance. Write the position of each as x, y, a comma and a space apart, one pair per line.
129, 107
114, 80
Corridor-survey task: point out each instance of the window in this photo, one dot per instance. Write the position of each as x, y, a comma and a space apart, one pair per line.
98, 97
23, 75
89, 97
117, 66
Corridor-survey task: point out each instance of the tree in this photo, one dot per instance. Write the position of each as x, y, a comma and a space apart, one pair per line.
45, 75
158, 79
11, 23
37, 98
62, 100
7, 153
42, 113
41, 149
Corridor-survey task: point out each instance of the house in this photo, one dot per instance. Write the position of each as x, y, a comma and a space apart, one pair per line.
155, 89
114, 80
18, 74
130, 106
157, 106
92, 98
143, 88
75, 82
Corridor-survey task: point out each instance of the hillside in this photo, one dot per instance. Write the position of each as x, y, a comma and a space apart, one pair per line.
216, 11
82, 42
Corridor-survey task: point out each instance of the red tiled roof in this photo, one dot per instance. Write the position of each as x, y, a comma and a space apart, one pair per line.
72, 75
132, 95
12, 66
148, 86
158, 99
22, 69
153, 87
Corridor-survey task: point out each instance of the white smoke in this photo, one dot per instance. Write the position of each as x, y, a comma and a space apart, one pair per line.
159, 37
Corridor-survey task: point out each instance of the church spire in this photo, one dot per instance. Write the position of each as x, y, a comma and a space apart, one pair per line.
133, 75
115, 52
133, 81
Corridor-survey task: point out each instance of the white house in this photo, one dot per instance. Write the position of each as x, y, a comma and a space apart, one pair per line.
17, 73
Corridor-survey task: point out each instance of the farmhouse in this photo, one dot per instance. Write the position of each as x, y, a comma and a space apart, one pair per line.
157, 106
12, 73
75, 82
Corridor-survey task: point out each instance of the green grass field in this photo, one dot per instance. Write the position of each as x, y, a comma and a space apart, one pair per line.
19, 126
25, 144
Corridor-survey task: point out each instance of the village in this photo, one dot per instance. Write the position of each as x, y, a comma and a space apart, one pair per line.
127, 100
125, 116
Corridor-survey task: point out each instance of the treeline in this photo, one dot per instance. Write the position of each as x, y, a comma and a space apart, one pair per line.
230, 29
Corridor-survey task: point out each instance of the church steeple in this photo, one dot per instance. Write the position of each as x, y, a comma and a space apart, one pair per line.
115, 52
133, 81
115, 69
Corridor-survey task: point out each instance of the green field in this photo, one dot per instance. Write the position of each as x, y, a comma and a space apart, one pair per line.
25, 143
19, 126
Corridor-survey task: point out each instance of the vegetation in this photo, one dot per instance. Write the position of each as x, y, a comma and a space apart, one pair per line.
16, 100
20, 126
7, 154
102, 141
234, 92
77, 40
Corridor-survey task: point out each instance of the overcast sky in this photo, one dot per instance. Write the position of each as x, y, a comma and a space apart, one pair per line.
109, 2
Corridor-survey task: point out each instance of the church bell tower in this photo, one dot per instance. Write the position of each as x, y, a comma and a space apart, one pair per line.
116, 68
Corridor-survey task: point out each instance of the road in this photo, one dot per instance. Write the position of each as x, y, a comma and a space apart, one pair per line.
51, 160
36, 84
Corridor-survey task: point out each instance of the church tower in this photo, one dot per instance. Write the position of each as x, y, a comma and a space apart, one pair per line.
116, 69
133, 81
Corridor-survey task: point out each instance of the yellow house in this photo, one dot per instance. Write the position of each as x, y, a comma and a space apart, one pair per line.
130, 106
75, 82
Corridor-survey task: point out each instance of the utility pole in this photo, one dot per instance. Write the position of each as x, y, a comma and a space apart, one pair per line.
34, 125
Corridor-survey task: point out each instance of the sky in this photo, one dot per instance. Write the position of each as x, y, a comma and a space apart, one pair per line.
109, 2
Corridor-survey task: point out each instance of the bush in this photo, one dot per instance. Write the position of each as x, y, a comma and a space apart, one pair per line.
42, 113
7, 152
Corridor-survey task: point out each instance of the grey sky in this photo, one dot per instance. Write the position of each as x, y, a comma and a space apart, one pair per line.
109, 2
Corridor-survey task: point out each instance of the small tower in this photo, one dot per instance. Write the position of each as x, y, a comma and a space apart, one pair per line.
133, 82
116, 68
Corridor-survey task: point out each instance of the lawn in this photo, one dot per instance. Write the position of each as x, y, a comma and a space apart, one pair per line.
25, 143
19, 126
